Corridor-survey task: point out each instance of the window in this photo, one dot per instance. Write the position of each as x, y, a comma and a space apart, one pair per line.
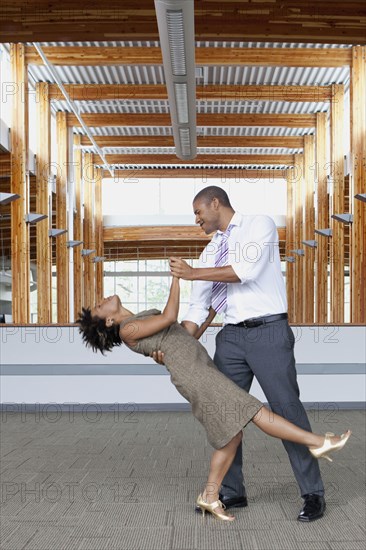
144, 284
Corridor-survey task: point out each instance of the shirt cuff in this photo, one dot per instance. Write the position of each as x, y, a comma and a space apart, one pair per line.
239, 272
196, 315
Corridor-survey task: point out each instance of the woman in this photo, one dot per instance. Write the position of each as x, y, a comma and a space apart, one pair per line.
221, 406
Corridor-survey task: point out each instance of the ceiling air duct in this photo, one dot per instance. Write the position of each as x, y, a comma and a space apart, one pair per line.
176, 34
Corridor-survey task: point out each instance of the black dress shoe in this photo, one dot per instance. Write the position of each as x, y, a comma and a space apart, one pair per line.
313, 508
234, 502
230, 502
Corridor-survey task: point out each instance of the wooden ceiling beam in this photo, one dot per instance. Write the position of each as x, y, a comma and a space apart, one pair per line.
163, 252
239, 175
101, 92
154, 233
162, 233
264, 57
232, 20
293, 142
203, 119
200, 159
213, 92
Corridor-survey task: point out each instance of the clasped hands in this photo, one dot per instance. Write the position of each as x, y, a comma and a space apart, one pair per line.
178, 268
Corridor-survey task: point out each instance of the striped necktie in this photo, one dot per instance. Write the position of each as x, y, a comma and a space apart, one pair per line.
219, 290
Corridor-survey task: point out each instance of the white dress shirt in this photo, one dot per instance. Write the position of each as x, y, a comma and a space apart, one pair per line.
254, 256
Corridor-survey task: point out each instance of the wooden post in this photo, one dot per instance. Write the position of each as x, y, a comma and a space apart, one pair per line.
20, 262
78, 228
358, 153
299, 285
62, 253
290, 244
308, 228
322, 221
44, 264
89, 235
99, 244
337, 175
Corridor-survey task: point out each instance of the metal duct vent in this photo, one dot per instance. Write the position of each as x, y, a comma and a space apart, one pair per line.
174, 19
176, 32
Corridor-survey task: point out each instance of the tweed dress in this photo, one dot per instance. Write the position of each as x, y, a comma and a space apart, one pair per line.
222, 407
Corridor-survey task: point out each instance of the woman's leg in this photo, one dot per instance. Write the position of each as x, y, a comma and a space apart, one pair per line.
220, 463
270, 423
277, 426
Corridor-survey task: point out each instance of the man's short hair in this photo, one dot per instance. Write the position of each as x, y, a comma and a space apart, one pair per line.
208, 194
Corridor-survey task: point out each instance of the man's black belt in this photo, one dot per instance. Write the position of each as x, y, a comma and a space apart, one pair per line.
258, 321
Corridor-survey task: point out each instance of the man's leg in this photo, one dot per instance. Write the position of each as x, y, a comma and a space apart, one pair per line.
269, 351
229, 359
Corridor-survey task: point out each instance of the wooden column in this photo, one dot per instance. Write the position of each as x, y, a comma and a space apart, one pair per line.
299, 270
44, 264
308, 228
89, 235
337, 175
99, 244
78, 228
20, 263
290, 245
62, 253
322, 221
358, 151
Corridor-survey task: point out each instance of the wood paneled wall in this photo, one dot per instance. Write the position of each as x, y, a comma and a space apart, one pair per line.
78, 227
99, 243
44, 263
89, 229
20, 264
308, 229
290, 243
337, 207
307, 184
62, 253
322, 221
358, 172
299, 269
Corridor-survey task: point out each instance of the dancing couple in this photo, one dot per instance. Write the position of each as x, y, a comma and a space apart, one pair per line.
197, 378
238, 274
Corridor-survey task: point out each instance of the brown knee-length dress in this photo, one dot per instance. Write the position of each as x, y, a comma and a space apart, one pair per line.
220, 405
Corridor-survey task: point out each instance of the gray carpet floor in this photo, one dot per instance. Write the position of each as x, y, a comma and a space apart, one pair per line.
129, 480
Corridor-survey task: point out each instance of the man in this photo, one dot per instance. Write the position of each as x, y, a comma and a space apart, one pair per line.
256, 339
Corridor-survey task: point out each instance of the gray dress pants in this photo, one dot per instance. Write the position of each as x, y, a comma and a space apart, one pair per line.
267, 352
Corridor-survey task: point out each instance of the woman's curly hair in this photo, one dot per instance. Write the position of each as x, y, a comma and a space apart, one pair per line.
96, 334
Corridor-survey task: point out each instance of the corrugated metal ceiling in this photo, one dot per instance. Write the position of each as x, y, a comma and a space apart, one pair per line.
235, 75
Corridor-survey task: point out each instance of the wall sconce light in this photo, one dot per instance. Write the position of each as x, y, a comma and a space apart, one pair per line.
56, 232
343, 218
97, 259
290, 259
361, 197
32, 217
327, 232
311, 244
6, 198
87, 251
298, 251
72, 244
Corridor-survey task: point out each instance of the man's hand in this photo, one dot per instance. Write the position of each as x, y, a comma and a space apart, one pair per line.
180, 268
158, 357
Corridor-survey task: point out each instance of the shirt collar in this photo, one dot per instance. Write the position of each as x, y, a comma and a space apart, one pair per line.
235, 220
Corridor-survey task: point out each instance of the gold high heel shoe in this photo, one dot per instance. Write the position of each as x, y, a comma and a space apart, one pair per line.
213, 508
322, 452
